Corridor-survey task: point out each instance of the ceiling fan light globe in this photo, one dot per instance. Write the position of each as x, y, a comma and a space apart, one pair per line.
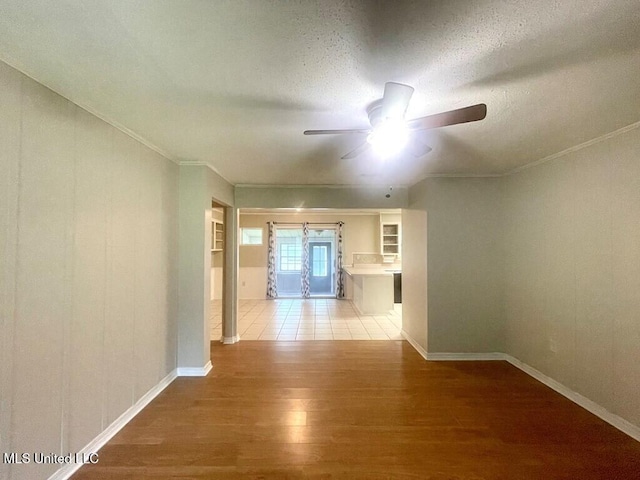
389, 137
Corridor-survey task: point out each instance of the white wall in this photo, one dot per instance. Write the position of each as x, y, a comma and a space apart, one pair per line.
573, 271
88, 255
216, 282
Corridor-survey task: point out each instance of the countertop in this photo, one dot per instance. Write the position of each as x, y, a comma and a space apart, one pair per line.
371, 270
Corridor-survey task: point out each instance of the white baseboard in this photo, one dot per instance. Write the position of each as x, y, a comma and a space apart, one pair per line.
194, 371
230, 340
599, 411
109, 432
414, 344
450, 356
476, 357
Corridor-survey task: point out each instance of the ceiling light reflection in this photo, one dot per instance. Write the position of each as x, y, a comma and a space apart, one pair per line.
297, 434
296, 418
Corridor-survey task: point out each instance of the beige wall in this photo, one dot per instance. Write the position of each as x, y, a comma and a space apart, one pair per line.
360, 234
88, 248
573, 271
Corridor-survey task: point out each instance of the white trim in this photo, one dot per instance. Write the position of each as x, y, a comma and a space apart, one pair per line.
199, 163
230, 340
108, 433
194, 371
414, 343
289, 211
95, 113
575, 148
315, 186
599, 411
475, 357
463, 175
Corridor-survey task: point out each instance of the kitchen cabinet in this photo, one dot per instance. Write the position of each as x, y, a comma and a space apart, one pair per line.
372, 289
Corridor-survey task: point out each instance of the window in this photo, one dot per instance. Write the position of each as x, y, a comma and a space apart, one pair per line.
251, 236
319, 267
290, 257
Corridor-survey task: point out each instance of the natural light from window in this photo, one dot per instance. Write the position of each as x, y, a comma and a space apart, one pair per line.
251, 236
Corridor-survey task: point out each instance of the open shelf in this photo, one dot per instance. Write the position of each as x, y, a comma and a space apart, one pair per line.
217, 236
390, 239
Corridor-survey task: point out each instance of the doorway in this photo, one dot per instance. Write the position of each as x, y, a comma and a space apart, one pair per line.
217, 271
289, 261
320, 263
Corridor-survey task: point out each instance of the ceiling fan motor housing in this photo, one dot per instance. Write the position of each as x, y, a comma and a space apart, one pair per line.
374, 112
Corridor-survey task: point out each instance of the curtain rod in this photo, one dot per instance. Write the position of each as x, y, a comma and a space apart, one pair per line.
308, 223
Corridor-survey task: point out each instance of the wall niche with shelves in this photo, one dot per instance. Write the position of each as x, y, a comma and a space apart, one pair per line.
217, 236
390, 239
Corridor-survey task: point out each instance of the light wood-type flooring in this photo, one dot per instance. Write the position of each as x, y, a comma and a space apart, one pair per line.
362, 410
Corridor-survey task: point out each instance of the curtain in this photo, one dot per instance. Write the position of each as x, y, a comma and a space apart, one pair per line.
306, 292
272, 283
339, 272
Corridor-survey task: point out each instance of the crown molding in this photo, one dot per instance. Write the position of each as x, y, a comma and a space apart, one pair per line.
575, 148
140, 139
199, 163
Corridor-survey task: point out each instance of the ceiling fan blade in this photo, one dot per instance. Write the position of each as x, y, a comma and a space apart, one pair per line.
417, 148
336, 132
395, 100
358, 151
452, 117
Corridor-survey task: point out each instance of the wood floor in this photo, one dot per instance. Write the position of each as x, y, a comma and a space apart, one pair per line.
362, 410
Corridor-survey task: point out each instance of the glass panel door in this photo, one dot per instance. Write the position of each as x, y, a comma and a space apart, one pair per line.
322, 261
289, 261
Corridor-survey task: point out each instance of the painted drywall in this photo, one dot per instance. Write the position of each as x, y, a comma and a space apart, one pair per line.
572, 289
199, 185
465, 261
466, 264
231, 268
216, 281
361, 233
89, 283
414, 273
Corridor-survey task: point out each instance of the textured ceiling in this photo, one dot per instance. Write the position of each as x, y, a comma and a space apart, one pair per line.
233, 83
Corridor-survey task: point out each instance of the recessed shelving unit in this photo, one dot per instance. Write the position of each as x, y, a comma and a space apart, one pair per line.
217, 236
390, 239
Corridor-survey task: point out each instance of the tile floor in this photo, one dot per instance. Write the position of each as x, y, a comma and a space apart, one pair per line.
308, 319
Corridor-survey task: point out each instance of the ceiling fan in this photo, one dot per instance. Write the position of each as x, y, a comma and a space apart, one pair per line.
390, 132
